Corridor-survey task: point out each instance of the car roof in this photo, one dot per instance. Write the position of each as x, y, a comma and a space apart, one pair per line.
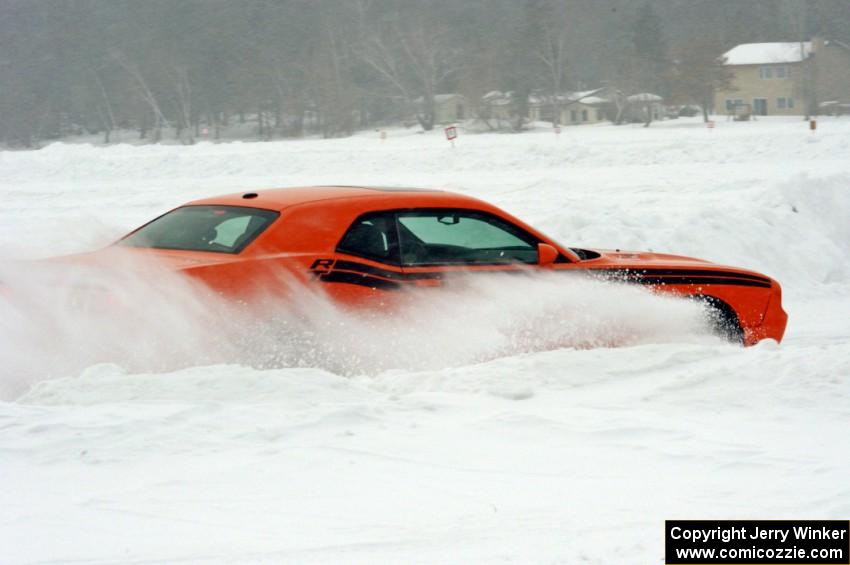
280, 198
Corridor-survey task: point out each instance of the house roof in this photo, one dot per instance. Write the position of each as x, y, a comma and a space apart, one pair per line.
587, 97
768, 53
440, 98
583, 94
644, 97
498, 98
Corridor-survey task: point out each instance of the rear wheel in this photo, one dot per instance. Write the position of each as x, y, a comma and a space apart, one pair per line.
722, 319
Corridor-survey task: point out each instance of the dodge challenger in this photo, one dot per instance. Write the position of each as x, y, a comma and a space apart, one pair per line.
361, 242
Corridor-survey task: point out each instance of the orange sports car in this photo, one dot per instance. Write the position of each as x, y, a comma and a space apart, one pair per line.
363, 242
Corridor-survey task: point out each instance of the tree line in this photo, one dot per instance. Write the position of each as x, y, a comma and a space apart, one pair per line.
178, 68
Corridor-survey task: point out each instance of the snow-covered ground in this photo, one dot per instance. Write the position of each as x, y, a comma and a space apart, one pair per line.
456, 441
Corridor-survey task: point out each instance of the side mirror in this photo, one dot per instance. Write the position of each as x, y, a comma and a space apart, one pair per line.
546, 254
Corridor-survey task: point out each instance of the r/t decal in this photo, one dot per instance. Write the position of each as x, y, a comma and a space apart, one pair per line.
322, 265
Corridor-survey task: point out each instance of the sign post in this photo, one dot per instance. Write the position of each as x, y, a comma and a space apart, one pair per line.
557, 130
710, 125
451, 134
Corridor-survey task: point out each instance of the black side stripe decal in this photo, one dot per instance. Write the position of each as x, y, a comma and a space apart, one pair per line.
360, 280
684, 272
352, 272
671, 276
355, 267
695, 281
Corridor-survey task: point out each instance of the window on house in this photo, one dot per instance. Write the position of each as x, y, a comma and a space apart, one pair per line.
781, 72
599, 116
790, 102
781, 103
573, 116
765, 72
584, 115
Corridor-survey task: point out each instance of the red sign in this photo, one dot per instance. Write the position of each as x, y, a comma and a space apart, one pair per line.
557, 129
451, 133
709, 124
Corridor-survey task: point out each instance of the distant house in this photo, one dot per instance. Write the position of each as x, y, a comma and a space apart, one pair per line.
449, 108
644, 107
496, 105
585, 109
831, 74
584, 112
786, 78
574, 108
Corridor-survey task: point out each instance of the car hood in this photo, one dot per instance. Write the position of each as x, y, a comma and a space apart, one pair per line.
648, 260
649, 257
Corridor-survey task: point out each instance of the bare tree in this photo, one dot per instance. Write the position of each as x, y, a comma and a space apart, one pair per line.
432, 61
332, 89
295, 64
107, 115
698, 72
183, 89
145, 93
414, 58
387, 62
553, 54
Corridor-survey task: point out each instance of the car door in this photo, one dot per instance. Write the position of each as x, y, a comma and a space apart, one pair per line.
435, 244
366, 262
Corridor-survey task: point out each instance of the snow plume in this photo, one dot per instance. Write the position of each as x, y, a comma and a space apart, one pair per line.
489, 316
58, 318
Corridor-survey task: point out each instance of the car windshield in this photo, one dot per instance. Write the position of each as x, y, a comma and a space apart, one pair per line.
220, 229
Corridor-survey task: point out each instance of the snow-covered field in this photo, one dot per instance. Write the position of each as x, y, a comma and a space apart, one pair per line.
455, 442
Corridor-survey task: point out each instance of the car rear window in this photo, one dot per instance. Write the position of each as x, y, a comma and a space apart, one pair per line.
220, 229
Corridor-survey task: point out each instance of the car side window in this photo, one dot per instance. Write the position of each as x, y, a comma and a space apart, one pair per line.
445, 237
372, 236
219, 229
229, 231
